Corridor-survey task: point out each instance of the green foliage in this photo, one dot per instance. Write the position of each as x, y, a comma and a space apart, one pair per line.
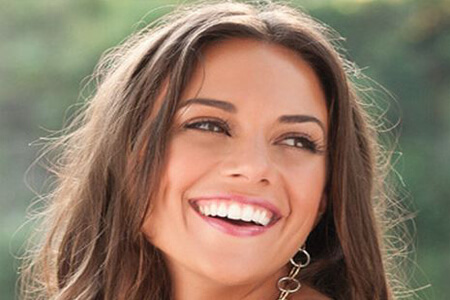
50, 48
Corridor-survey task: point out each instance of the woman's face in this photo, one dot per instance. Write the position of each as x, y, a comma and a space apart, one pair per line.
246, 164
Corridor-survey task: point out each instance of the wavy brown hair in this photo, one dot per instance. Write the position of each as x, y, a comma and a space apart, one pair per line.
108, 162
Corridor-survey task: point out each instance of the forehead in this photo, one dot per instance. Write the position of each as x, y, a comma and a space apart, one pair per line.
258, 75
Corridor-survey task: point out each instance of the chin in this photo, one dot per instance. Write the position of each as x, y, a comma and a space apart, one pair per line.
233, 270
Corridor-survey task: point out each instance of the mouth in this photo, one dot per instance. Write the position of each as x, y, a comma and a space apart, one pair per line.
236, 217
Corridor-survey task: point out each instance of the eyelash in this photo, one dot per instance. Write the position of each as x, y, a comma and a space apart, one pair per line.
307, 142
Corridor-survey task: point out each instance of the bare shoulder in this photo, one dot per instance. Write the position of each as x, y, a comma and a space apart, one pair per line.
308, 293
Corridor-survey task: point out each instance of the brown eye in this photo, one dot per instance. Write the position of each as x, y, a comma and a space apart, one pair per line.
210, 126
301, 142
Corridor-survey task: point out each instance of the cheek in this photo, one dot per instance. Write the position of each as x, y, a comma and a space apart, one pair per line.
307, 179
189, 157
304, 183
185, 163
188, 160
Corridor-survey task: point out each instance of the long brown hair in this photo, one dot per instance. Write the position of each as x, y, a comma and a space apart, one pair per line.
108, 161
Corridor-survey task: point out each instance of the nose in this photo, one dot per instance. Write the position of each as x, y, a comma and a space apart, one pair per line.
249, 161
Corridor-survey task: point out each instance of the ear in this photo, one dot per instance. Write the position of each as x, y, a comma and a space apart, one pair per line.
321, 210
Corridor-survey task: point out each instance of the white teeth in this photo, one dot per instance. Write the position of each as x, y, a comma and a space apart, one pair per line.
222, 211
247, 213
264, 219
256, 215
213, 209
235, 211
262, 216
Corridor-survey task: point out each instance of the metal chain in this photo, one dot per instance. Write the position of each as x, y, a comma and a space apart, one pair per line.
289, 284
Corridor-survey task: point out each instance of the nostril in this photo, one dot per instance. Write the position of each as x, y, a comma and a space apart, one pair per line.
265, 181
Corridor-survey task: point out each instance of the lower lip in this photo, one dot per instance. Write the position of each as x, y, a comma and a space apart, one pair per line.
241, 231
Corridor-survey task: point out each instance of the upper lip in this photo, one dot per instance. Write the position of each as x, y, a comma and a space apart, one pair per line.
258, 201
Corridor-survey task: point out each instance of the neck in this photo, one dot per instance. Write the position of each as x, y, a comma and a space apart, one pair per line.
189, 285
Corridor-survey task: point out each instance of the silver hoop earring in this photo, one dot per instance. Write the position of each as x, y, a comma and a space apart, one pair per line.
289, 284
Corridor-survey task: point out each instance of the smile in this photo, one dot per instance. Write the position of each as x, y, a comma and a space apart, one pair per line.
236, 215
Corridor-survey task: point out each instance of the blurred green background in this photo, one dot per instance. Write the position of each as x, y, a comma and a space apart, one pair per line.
49, 48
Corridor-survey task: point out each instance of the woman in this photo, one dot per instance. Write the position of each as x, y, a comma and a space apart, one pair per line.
225, 155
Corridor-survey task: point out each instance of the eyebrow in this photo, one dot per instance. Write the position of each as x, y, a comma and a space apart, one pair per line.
231, 108
226, 106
